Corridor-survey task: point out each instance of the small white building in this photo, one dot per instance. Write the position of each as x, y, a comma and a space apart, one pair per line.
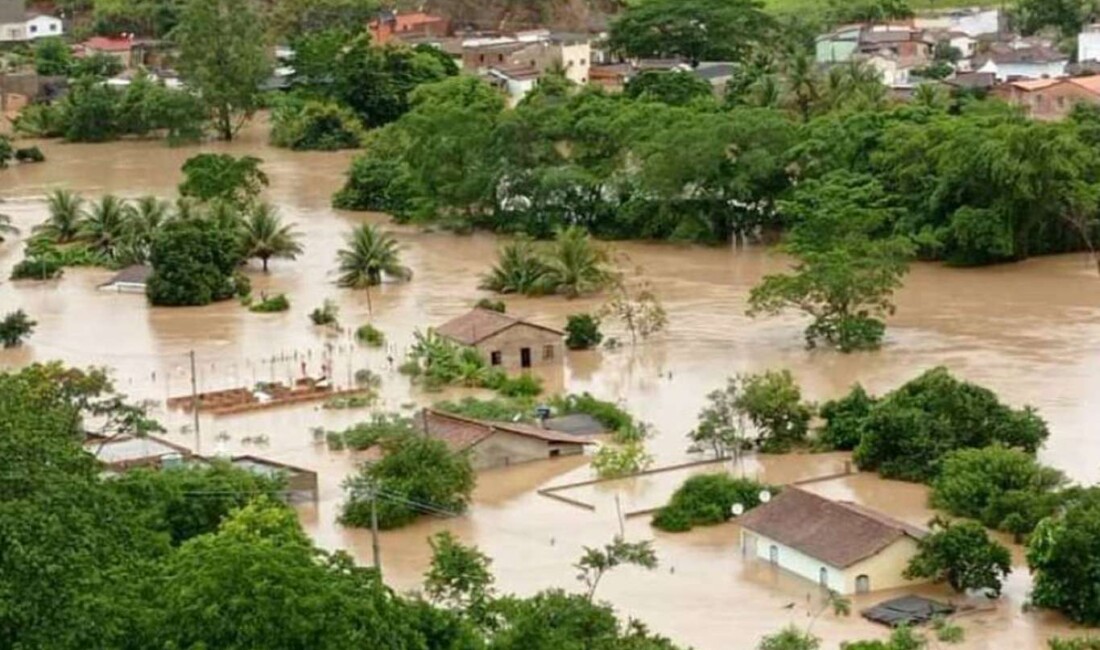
1088, 44
839, 545
1022, 60
31, 27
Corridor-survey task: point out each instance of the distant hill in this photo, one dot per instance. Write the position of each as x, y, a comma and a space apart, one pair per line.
523, 14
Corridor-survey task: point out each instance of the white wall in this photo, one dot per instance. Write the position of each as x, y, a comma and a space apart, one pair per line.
794, 561
1005, 71
1088, 46
44, 26
987, 21
576, 60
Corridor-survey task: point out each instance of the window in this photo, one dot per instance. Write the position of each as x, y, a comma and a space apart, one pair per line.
53, 27
823, 577
773, 554
582, 61
547, 353
494, 358
34, 28
481, 58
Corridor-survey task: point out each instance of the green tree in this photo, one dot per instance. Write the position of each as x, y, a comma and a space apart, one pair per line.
415, 475
315, 125
370, 254
705, 500
147, 216
105, 224
222, 57
264, 236
194, 263
844, 419
772, 401
459, 576
52, 57
709, 30
1069, 17
582, 331
291, 19
963, 555
6, 152
15, 327
90, 112
222, 177
100, 65
575, 265
520, 268
843, 278
675, 88
1064, 555
843, 12
909, 431
1006, 489
66, 211
595, 563
638, 308
6, 227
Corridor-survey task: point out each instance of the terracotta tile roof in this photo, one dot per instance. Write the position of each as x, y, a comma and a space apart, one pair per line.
838, 533
1031, 85
1091, 84
479, 324
107, 44
461, 432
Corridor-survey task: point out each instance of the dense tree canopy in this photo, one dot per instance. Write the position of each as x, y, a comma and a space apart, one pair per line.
194, 263
1064, 555
907, 433
963, 555
704, 30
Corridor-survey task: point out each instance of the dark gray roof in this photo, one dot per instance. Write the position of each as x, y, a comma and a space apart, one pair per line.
577, 424
906, 610
972, 80
712, 70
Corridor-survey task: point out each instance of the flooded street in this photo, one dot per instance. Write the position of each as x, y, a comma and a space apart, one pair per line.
1029, 331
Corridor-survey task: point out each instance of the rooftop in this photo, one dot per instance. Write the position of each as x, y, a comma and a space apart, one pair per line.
135, 274
839, 533
108, 44
130, 450
576, 424
479, 324
462, 433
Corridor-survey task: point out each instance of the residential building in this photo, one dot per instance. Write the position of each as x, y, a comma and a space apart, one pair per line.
1021, 59
301, 483
390, 24
839, 545
120, 47
507, 342
972, 81
900, 43
127, 452
131, 279
515, 63
499, 444
1088, 44
514, 81
1051, 99
26, 26
974, 21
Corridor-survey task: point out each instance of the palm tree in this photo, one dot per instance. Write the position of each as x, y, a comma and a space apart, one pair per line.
106, 224
147, 215
575, 265
66, 212
264, 236
370, 255
519, 269
6, 228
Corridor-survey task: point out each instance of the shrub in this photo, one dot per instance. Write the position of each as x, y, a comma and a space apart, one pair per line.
5, 151
40, 121
381, 427
773, 402
325, 315
270, 304
523, 386
844, 419
413, 470
582, 332
370, 335
37, 268
29, 155
314, 125
705, 500
491, 305
194, 263
15, 327
496, 409
619, 460
1064, 556
609, 414
367, 379
963, 555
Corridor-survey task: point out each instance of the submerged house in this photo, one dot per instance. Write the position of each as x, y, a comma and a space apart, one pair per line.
506, 342
131, 279
499, 444
842, 546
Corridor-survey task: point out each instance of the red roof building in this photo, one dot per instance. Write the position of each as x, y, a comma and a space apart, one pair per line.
391, 24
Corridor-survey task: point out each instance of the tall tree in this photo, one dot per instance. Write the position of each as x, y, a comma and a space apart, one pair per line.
264, 235
222, 177
66, 211
1064, 556
223, 58
370, 255
595, 563
963, 555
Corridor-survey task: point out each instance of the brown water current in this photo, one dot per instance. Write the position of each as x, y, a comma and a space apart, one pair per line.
1030, 331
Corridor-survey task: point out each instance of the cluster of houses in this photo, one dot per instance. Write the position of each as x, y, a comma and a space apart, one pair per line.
981, 54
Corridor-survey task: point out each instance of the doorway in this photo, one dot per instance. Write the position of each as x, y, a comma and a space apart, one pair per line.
525, 357
863, 584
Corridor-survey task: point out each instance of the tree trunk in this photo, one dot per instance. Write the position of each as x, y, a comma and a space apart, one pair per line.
264, 260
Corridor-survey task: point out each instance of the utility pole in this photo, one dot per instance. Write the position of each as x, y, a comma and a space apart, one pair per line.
374, 530
195, 403
619, 511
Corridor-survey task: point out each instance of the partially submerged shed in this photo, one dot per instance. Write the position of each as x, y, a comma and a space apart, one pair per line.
907, 610
499, 444
131, 279
301, 482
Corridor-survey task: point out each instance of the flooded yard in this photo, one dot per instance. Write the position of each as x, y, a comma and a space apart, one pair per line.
1030, 331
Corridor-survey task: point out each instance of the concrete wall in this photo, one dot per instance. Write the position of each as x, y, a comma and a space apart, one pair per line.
883, 570
502, 449
1088, 46
1005, 71
511, 341
1051, 103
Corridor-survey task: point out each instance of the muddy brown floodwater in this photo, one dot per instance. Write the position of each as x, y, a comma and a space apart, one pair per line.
1029, 331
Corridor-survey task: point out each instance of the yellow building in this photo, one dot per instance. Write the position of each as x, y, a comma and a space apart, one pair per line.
840, 545
507, 342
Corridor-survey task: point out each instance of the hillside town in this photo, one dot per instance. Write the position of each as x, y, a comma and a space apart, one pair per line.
711, 324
